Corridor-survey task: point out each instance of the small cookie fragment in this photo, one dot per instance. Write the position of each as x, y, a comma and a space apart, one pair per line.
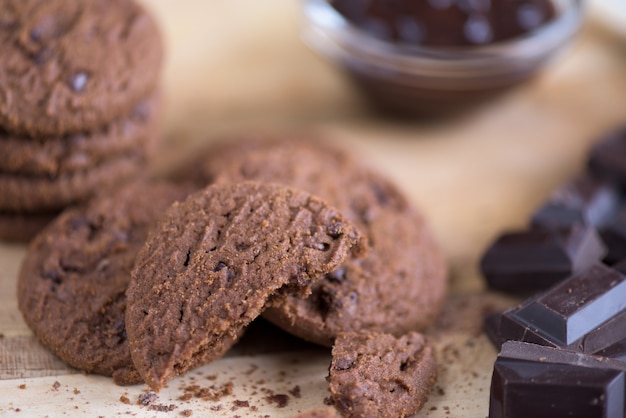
72, 281
378, 375
210, 266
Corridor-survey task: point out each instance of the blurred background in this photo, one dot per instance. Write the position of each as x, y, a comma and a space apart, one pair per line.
240, 67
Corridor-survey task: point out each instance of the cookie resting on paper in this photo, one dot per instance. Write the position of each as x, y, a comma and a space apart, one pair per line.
378, 375
215, 259
72, 282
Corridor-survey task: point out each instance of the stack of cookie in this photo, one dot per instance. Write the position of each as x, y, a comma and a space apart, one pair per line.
78, 103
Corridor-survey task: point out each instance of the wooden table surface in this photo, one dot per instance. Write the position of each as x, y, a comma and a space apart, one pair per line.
239, 66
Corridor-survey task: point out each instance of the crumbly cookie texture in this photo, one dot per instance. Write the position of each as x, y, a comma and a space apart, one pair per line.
378, 375
71, 66
72, 282
212, 263
399, 286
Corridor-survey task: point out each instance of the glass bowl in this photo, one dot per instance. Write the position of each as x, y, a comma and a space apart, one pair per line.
413, 80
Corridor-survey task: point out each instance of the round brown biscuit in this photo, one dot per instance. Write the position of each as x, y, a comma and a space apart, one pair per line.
22, 227
71, 66
399, 286
377, 375
39, 193
213, 261
51, 157
72, 282
401, 283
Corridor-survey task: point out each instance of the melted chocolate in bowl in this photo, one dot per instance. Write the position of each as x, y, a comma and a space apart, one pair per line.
433, 57
446, 22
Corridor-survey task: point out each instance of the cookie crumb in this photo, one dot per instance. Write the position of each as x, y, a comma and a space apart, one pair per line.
295, 392
76, 391
162, 408
281, 400
241, 404
186, 396
22, 386
148, 398
186, 412
56, 385
124, 399
211, 393
253, 368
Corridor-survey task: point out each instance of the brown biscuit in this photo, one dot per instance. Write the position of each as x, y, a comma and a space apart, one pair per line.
22, 227
79, 152
209, 267
377, 375
72, 281
400, 284
40, 193
71, 66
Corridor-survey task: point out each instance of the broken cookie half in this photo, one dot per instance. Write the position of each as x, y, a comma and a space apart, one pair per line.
209, 267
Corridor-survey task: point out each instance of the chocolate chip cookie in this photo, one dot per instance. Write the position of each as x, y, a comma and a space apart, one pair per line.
400, 285
19, 193
22, 227
52, 157
377, 375
212, 263
71, 66
72, 282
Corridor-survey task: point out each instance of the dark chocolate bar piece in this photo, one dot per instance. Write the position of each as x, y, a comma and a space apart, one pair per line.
536, 259
576, 306
607, 159
602, 341
491, 327
533, 352
534, 381
614, 237
620, 266
586, 312
584, 200
617, 351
